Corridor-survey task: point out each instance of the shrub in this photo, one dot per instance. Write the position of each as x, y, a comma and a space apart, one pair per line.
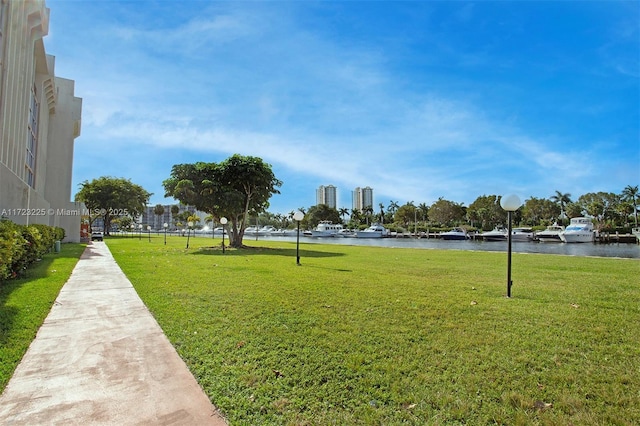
21, 245
13, 248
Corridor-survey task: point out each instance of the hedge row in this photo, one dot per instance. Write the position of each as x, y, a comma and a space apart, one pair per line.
21, 245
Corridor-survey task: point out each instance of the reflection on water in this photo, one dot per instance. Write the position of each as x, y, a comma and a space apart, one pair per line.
585, 249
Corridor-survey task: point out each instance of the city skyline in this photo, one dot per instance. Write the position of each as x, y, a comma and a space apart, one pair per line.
420, 100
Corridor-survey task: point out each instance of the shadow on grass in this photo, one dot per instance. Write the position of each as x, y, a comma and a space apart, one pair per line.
254, 251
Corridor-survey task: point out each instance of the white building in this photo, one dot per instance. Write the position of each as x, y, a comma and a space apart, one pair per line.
149, 218
39, 120
327, 195
362, 198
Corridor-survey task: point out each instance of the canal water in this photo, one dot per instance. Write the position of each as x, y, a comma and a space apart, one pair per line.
622, 250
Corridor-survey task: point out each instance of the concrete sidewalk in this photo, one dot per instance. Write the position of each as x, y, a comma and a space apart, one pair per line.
101, 358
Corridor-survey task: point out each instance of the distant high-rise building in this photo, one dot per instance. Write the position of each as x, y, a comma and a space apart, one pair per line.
327, 195
362, 198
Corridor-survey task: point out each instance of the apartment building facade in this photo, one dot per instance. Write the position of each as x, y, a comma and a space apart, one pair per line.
327, 195
149, 217
40, 118
362, 198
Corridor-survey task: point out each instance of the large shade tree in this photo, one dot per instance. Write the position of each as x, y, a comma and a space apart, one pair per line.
486, 212
231, 189
446, 212
321, 212
109, 197
537, 210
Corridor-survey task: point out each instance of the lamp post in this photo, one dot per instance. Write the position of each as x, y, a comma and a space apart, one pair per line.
133, 227
189, 225
149, 232
223, 222
298, 216
140, 232
165, 226
510, 203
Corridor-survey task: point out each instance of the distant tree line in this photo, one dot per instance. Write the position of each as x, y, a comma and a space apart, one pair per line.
609, 211
240, 187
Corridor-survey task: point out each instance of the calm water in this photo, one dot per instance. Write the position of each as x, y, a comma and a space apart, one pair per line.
631, 251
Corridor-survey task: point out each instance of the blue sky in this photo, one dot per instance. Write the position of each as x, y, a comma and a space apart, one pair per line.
418, 100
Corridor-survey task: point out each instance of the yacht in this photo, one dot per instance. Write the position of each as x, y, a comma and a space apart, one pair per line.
497, 234
551, 234
345, 233
374, 231
251, 230
266, 230
522, 234
454, 234
580, 230
326, 229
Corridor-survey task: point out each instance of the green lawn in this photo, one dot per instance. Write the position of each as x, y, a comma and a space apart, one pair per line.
386, 336
26, 302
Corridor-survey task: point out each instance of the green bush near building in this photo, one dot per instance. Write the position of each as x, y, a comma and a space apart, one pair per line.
21, 245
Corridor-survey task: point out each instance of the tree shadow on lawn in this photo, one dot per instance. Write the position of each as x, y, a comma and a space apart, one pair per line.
253, 251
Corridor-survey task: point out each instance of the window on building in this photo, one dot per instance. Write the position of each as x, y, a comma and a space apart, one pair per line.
32, 139
3, 29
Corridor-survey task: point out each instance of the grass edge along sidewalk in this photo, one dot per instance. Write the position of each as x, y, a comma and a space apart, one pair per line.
367, 335
26, 302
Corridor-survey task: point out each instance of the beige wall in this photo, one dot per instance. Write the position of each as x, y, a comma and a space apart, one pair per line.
25, 65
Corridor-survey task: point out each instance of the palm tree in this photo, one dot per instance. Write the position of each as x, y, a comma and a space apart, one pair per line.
343, 212
174, 213
424, 210
158, 210
193, 219
393, 206
356, 216
562, 200
210, 219
381, 213
630, 193
368, 211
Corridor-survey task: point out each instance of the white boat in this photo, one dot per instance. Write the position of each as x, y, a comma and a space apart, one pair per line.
374, 231
251, 230
455, 234
254, 231
522, 234
266, 230
345, 233
551, 234
286, 232
497, 234
580, 230
326, 228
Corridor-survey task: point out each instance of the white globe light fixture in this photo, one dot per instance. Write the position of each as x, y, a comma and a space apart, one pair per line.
165, 226
189, 226
510, 203
223, 222
298, 216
